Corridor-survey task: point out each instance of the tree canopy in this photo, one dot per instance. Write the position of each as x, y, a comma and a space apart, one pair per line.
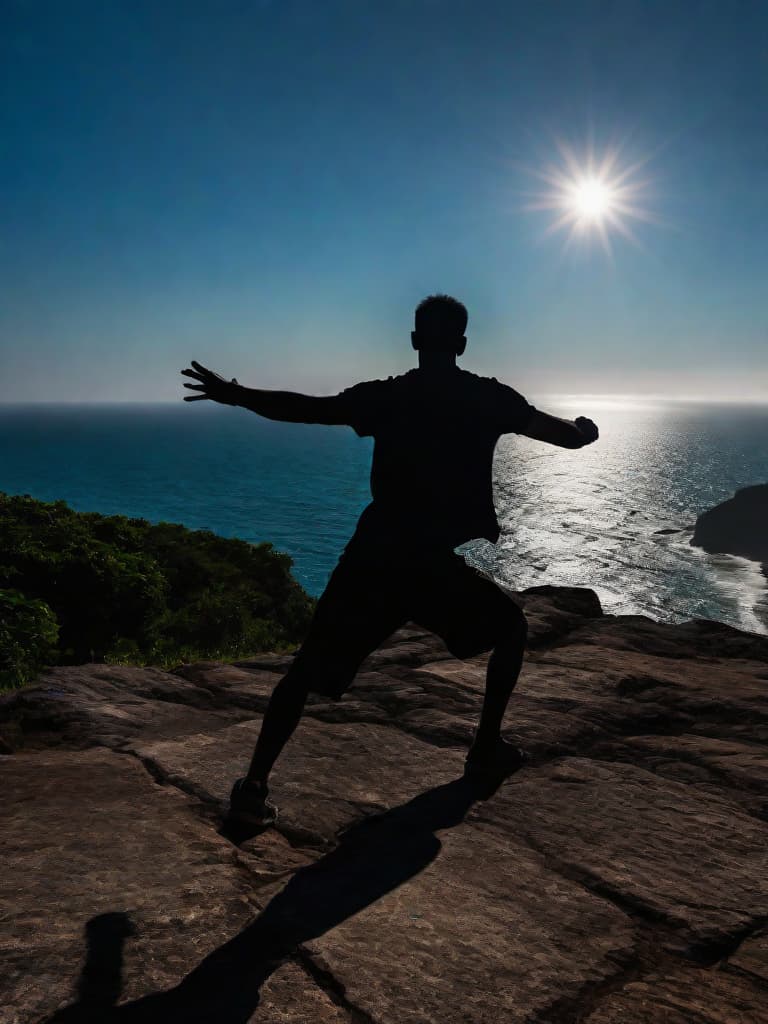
80, 586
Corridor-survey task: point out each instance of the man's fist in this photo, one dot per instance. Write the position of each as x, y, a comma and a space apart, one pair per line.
588, 429
211, 386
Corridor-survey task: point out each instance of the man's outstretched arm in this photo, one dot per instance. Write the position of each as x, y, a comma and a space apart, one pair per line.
563, 433
275, 405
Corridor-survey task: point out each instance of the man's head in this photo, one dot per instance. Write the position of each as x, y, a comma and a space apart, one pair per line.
440, 323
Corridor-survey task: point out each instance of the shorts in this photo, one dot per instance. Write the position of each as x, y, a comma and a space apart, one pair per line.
376, 589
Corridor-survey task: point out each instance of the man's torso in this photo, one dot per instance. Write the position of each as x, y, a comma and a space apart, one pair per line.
434, 438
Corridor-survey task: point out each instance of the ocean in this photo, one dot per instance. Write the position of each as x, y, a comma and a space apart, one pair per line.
602, 517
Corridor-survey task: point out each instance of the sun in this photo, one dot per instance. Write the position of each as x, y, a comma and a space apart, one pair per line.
592, 196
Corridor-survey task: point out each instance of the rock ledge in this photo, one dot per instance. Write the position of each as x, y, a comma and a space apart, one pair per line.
621, 878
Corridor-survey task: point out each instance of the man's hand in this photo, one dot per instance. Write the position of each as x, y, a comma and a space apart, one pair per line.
588, 429
212, 386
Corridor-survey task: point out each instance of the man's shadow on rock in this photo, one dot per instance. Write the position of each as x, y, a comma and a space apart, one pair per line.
372, 858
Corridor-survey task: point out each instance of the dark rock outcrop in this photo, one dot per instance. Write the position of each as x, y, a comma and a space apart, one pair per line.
620, 878
738, 526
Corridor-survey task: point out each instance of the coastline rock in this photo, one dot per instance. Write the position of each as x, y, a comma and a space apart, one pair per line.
621, 877
738, 526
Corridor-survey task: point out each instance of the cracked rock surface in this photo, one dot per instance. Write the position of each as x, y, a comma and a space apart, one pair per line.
621, 877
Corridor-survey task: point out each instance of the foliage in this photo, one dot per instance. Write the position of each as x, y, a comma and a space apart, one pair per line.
125, 589
28, 635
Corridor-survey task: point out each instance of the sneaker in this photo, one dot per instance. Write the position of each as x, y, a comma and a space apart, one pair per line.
490, 769
250, 810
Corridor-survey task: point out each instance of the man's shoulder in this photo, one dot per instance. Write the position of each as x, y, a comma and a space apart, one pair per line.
476, 378
366, 405
483, 383
378, 384
506, 408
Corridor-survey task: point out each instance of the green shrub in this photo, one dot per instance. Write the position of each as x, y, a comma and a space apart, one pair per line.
124, 589
28, 635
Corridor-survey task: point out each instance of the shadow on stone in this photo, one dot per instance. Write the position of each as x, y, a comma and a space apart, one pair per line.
101, 979
374, 857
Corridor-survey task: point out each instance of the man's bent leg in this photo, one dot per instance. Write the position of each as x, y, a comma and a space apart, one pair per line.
283, 714
358, 609
502, 674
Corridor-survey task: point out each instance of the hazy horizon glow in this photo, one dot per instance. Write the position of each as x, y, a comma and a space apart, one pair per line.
578, 400
271, 188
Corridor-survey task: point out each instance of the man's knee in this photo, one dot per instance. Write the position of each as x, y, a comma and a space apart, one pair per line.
327, 681
294, 684
513, 628
509, 650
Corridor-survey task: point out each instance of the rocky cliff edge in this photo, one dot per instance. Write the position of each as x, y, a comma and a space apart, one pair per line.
620, 878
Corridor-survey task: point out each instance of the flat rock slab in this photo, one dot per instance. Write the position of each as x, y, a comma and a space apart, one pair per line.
650, 690
95, 854
408, 923
732, 770
544, 710
752, 956
619, 878
483, 931
81, 706
685, 996
652, 844
331, 775
736, 764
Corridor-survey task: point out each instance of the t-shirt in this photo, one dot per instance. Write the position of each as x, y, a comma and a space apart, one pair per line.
434, 437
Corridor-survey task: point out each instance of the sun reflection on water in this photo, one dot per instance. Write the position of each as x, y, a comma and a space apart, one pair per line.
618, 516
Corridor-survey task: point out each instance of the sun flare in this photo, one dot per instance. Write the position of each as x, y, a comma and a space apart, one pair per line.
591, 196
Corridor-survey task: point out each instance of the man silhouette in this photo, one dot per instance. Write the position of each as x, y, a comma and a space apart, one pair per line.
435, 429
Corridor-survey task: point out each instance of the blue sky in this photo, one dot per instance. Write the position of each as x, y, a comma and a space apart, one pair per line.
271, 187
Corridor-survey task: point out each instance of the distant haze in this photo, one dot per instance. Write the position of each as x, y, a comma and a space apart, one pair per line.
270, 188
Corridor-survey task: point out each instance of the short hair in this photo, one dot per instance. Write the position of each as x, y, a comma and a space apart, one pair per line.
441, 316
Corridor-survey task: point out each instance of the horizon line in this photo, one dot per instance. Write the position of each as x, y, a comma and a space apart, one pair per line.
757, 399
